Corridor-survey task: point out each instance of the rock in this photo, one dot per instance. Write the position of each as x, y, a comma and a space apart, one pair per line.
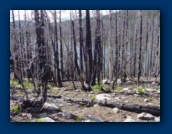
114, 94
103, 96
153, 83
17, 97
130, 82
56, 88
77, 90
136, 95
119, 81
23, 114
92, 92
94, 119
129, 120
151, 90
158, 92
157, 119
96, 105
87, 120
42, 115
146, 100
104, 81
126, 89
117, 98
115, 110
128, 117
46, 119
123, 115
64, 88
65, 115
50, 107
18, 86
32, 99
27, 115
145, 116
61, 105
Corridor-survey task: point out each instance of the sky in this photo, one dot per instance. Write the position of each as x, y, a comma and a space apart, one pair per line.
65, 14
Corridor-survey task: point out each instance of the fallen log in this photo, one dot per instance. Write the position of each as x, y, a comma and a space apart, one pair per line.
154, 110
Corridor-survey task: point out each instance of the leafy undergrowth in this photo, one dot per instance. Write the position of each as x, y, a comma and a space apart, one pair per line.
104, 113
27, 84
97, 88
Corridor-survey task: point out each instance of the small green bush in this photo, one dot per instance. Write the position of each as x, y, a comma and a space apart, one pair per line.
54, 92
28, 85
97, 88
81, 107
69, 87
118, 89
93, 98
14, 83
39, 120
15, 109
78, 118
140, 90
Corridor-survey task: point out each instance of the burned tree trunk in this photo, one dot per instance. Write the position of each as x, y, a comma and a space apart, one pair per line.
56, 53
140, 49
155, 110
75, 51
81, 40
88, 53
39, 24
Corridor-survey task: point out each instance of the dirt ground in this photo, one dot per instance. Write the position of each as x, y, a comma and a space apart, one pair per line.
99, 112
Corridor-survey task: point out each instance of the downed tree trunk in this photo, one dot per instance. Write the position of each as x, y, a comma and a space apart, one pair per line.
154, 110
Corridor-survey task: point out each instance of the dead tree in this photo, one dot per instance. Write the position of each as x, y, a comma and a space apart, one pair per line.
88, 53
55, 48
140, 49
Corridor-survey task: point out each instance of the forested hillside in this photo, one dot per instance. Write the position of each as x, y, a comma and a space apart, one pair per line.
91, 58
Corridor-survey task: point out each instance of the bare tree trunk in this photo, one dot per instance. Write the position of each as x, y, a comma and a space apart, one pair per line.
152, 44
116, 43
88, 52
39, 23
140, 51
123, 49
110, 49
81, 40
56, 54
61, 45
75, 51
147, 39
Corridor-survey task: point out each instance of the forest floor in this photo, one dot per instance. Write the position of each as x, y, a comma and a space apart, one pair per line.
147, 95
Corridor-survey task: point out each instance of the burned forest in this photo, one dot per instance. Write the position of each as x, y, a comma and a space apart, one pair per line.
84, 65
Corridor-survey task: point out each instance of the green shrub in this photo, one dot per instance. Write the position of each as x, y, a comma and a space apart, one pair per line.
157, 87
15, 109
39, 120
28, 85
81, 107
78, 118
140, 90
97, 88
118, 89
69, 87
54, 92
93, 98
14, 83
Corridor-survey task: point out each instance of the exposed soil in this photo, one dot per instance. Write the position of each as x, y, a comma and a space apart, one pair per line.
97, 111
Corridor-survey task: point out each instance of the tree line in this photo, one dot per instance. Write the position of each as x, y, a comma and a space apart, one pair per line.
88, 47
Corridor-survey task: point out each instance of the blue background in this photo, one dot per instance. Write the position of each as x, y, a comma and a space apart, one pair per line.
98, 128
